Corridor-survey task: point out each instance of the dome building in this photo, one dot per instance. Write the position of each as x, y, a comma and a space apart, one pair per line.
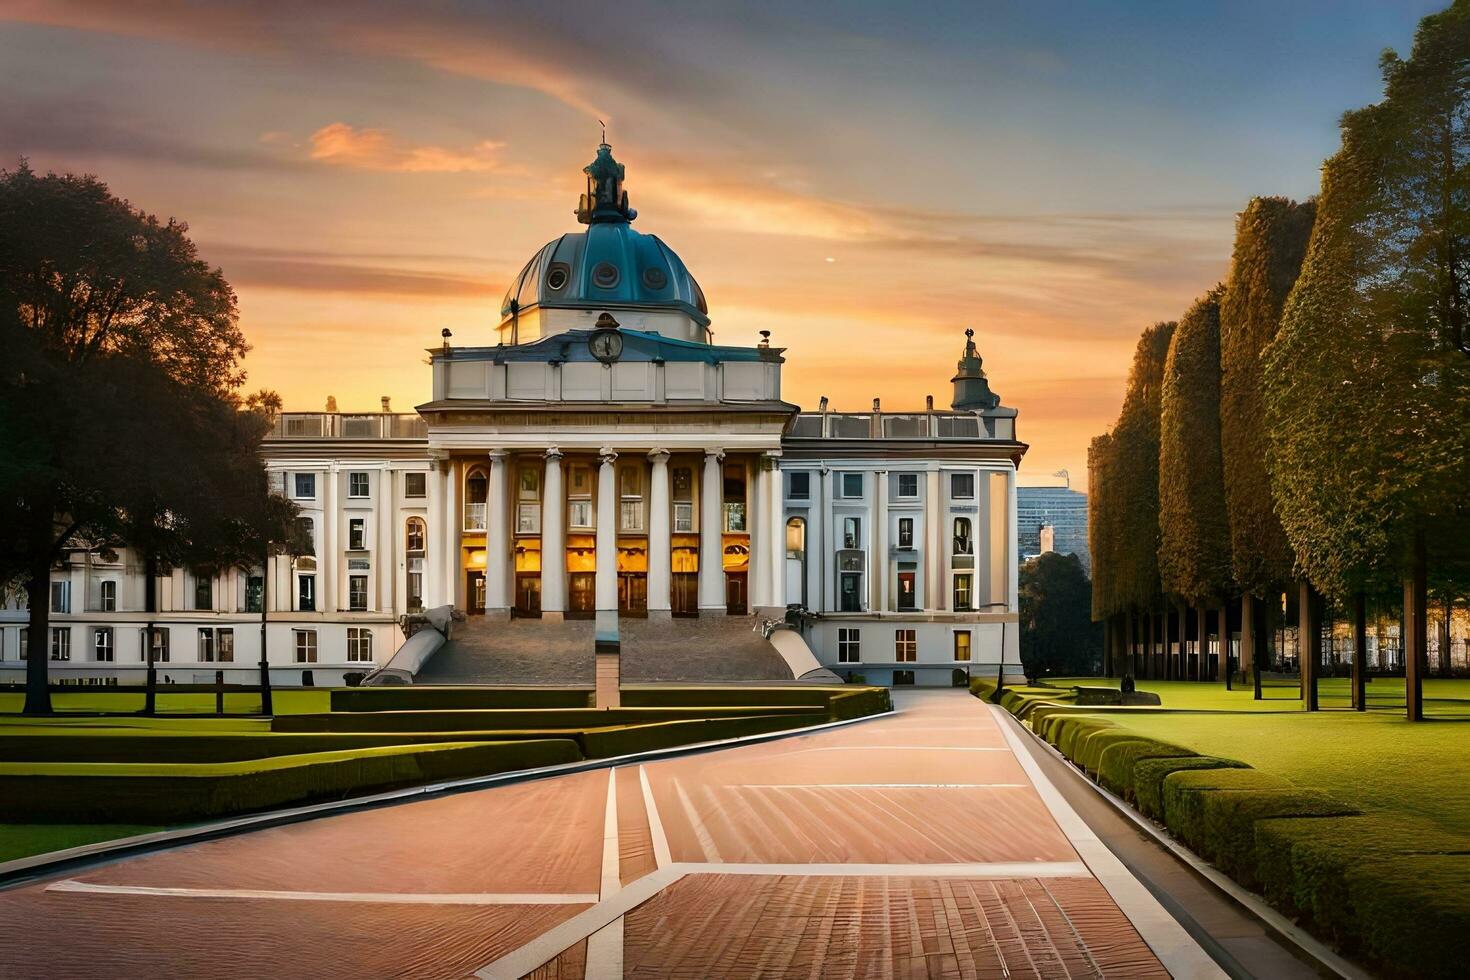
596, 473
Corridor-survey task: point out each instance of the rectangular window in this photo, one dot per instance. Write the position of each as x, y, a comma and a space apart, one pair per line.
852, 484
61, 643
415, 584
800, 485
254, 593
734, 516
631, 482
159, 645
357, 534
579, 481
416, 485
61, 597
357, 589
908, 486
964, 592
852, 532
102, 648
962, 646
109, 596
850, 592
683, 518
359, 645
25, 643
849, 645
905, 532
203, 591
630, 515
903, 678
305, 646
908, 593
305, 486
306, 593
905, 646
962, 486
225, 645
683, 483
579, 513
206, 646
357, 485
528, 518
530, 483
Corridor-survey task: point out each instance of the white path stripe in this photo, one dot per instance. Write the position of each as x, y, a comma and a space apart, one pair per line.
992, 869
880, 786
385, 898
906, 748
661, 856
605, 946
701, 832
1181, 955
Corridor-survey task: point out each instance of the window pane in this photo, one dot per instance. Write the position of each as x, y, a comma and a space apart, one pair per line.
415, 484
631, 516
908, 484
683, 517
852, 484
962, 485
225, 646
306, 485
962, 646
357, 484
801, 485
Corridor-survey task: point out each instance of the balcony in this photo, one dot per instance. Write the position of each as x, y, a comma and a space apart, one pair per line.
329, 425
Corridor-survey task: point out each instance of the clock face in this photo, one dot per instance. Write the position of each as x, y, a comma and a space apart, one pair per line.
606, 345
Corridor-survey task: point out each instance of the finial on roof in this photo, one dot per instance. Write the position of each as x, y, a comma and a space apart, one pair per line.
605, 199
971, 389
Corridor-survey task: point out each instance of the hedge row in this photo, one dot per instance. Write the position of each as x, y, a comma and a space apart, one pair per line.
144, 793
428, 698
1393, 889
487, 719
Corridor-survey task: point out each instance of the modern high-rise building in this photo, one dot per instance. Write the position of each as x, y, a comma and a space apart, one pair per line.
1060, 508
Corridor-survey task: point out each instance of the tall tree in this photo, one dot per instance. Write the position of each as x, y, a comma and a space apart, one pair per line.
1271, 237
1057, 634
1367, 384
1136, 445
1103, 515
1194, 537
97, 297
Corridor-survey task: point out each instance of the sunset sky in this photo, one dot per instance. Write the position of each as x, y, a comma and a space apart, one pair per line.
865, 180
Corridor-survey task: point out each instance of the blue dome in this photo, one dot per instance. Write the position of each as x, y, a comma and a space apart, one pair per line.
606, 266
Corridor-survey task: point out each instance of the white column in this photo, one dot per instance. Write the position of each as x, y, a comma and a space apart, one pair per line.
453, 524
553, 540
760, 566
497, 538
607, 533
390, 540
938, 536
880, 564
776, 532
434, 588
660, 540
327, 578
711, 541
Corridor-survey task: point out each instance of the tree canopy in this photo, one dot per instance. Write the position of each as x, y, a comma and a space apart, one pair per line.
1367, 384
1194, 538
1136, 471
1057, 632
1104, 530
1271, 237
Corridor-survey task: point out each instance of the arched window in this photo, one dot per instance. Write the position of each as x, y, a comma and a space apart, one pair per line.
413, 535
476, 492
796, 537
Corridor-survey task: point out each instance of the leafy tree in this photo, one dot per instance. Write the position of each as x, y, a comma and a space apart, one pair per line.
1194, 538
1367, 385
1103, 519
1271, 237
118, 413
1057, 632
1136, 446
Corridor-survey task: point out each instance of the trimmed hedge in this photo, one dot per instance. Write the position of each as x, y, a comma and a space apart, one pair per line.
844, 705
1115, 766
1303, 864
1411, 914
457, 698
1149, 774
602, 743
71, 792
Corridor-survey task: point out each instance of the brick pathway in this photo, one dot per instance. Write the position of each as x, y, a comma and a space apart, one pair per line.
908, 846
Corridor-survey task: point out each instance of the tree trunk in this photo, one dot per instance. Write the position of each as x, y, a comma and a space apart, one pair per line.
1201, 643
1181, 621
1308, 642
1247, 637
1260, 628
37, 652
267, 705
1360, 652
1415, 631
1148, 643
1109, 627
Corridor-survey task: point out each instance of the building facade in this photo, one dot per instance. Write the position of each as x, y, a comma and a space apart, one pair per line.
1060, 509
602, 459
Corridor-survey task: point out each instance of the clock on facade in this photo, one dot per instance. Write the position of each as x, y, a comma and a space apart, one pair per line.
606, 345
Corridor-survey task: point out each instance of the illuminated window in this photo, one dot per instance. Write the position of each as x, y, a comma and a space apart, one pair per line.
905, 646
359, 645
962, 645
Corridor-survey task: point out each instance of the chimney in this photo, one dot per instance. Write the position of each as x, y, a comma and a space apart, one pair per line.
822, 405
386, 409
928, 403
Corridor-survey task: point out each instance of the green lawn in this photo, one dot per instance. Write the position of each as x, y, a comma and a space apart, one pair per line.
18, 840
286, 701
1376, 759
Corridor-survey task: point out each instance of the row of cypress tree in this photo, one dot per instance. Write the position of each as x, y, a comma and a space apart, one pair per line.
1305, 426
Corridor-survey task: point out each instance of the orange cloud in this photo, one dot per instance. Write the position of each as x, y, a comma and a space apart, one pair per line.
343, 145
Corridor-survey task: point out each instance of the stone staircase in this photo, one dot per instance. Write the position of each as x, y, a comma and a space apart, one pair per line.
532, 651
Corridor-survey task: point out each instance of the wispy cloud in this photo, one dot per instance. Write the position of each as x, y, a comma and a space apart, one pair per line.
342, 145
308, 271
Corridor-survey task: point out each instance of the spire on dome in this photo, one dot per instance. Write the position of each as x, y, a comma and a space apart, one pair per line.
605, 199
971, 389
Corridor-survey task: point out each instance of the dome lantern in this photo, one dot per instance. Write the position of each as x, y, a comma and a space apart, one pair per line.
971, 389
605, 199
